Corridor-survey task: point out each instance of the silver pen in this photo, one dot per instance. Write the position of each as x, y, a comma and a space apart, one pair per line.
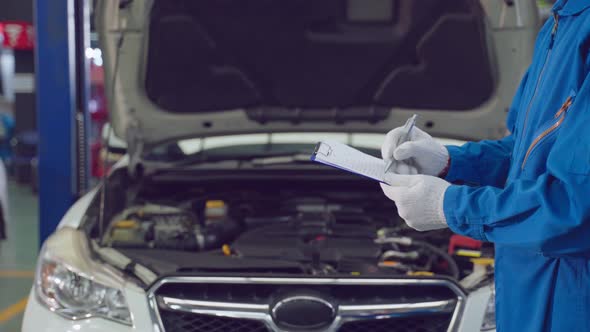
408, 126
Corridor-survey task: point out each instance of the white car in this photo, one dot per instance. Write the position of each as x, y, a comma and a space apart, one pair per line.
216, 219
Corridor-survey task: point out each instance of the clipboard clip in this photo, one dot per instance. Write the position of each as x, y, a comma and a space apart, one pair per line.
322, 149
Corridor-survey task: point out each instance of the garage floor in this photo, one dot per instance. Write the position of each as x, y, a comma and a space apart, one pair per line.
17, 256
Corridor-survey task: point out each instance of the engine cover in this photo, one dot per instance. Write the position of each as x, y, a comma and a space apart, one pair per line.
309, 240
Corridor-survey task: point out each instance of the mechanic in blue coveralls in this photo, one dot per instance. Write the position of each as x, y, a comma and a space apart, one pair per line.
532, 197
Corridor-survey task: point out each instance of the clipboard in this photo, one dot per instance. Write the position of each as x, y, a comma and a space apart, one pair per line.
347, 158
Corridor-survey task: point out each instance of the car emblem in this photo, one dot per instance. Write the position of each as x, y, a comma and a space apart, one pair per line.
303, 312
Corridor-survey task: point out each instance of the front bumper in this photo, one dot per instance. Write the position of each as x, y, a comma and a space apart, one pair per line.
38, 318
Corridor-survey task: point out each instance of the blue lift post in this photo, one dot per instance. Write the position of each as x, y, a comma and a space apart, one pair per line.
61, 110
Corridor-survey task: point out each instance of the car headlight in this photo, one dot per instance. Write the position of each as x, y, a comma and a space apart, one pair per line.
74, 286
489, 318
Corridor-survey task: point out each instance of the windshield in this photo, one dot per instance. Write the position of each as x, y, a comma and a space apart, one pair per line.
254, 145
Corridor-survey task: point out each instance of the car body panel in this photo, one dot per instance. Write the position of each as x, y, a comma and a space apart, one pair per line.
136, 118
76, 213
38, 318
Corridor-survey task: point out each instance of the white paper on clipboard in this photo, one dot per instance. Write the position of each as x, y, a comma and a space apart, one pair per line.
342, 156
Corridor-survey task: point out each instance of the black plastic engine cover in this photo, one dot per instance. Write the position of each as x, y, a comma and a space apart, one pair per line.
299, 242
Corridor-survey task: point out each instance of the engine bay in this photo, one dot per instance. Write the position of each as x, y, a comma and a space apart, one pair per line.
282, 227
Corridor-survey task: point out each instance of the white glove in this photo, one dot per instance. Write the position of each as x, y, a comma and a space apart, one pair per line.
429, 156
419, 199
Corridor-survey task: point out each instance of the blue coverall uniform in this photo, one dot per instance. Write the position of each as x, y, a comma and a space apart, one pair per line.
533, 194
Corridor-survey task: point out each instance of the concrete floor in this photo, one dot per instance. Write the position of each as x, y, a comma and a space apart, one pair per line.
18, 255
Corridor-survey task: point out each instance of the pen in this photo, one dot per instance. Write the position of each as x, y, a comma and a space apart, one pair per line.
409, 126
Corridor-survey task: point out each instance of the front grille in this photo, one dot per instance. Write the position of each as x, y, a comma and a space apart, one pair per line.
176, 321
431, 323
235, 304
344, 294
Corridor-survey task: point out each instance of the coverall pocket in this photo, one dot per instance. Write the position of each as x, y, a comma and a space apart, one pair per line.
536, 154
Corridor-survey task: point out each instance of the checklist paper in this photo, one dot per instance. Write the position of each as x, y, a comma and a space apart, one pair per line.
342, 156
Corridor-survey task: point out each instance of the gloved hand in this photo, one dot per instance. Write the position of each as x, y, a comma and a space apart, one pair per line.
419, 199
429, 156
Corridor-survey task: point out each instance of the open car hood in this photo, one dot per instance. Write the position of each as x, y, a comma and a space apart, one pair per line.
187, 68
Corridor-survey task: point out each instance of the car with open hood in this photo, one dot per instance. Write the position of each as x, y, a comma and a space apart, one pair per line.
216, 219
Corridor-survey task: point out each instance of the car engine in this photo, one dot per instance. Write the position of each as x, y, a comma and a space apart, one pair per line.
332, 233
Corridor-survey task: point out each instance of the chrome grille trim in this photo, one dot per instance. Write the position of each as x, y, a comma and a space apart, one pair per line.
184, 305
396, 309
223, 309
346, 313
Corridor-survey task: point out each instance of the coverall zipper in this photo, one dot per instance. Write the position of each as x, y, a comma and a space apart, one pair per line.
561, 113
547, 57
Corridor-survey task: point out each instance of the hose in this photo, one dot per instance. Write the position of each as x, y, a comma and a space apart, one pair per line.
453, 268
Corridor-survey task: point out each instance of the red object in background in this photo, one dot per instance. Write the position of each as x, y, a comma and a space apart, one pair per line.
99, 115
96, 167
96, 74
98, 103
17, 35
463, 242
